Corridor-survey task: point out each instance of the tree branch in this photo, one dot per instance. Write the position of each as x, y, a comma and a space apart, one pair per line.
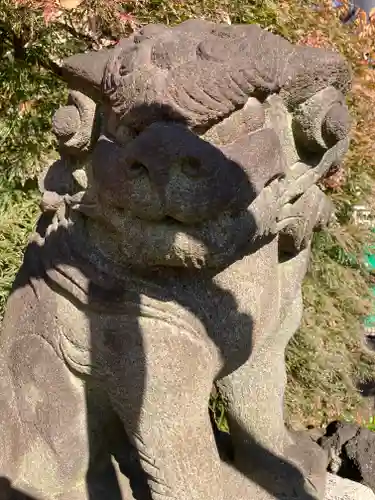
77, 34
21, 53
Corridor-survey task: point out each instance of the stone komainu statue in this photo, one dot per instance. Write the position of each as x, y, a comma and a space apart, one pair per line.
169, 256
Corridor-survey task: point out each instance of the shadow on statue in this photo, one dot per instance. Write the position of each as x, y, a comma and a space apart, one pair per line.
113, 423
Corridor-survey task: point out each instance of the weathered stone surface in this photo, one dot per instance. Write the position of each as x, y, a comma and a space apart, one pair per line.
361, 452
339, 488
170, 255
351, 451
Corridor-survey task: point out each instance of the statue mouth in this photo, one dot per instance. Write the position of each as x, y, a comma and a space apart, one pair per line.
228, 227
175, 221
169, 220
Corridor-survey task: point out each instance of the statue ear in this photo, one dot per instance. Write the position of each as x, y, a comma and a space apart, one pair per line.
75, 125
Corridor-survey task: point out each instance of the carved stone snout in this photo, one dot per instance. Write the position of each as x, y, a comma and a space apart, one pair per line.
168, 171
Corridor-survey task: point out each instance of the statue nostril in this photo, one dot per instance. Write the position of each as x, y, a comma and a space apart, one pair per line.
137, 169
191, 167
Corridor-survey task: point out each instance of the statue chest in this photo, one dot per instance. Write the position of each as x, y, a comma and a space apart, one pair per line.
228, 314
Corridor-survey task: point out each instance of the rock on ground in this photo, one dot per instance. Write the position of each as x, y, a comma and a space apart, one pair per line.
351, 452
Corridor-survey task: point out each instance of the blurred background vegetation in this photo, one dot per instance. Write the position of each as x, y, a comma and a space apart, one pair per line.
325, 359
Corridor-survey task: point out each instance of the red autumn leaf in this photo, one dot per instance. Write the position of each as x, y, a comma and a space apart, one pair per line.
125, 17
49, 14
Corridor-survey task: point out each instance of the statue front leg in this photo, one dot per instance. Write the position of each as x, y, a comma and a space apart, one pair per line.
43, 423
255, 395
53, 440
159, 386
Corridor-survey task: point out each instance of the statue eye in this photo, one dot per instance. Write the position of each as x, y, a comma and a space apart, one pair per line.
137, 169
191, 167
